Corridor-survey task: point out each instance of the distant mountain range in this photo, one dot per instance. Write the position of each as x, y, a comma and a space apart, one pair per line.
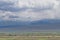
46, 21
47, 24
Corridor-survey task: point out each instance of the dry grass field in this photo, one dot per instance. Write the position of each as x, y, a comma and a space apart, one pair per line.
30, 38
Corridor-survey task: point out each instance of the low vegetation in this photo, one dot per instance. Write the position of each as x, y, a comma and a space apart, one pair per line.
30, 36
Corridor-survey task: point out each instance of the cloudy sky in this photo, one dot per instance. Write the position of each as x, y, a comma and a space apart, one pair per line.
29, 10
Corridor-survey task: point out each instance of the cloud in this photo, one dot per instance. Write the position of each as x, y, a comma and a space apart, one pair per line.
29, 10
22, 5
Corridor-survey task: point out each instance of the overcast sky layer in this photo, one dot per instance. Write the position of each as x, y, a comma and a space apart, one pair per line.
29, 10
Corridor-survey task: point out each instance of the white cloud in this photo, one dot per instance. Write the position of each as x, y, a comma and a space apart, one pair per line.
29, 10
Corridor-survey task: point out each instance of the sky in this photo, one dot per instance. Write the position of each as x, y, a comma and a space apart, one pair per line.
29, 10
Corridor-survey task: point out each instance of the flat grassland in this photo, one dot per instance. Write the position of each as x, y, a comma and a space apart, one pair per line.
30, 38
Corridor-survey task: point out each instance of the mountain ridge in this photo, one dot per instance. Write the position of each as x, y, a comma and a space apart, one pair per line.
30, 26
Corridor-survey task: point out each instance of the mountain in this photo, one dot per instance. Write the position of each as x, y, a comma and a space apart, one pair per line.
10, 23
46, 21
46, 24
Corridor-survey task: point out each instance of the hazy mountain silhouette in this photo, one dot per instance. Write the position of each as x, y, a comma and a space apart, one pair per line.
47, 24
